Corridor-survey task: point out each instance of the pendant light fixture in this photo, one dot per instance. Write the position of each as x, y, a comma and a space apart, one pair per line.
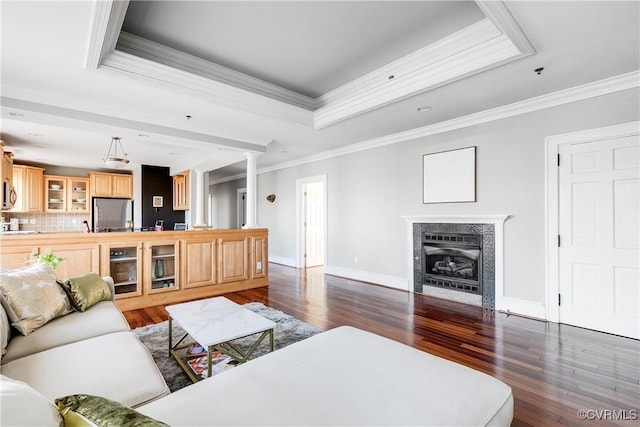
116, 157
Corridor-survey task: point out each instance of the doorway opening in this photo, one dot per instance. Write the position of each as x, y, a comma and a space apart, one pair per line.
311, 221
241, 207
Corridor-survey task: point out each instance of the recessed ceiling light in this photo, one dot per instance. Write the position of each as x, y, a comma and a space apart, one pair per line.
16, 114
174, 154
425, 109
143, 135
39, 147
34, 134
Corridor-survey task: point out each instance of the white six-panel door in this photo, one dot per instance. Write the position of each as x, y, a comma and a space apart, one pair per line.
599, 228
314, 224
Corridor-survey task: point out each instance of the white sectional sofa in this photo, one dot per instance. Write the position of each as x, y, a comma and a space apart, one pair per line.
344, 376
91, 352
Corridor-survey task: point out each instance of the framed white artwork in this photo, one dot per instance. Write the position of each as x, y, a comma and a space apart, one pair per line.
449, 176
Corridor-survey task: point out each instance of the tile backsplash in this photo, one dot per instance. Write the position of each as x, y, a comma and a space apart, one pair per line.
49, 221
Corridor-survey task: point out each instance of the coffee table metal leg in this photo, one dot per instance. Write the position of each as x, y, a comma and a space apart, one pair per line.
271, 338
209, 362
170, 336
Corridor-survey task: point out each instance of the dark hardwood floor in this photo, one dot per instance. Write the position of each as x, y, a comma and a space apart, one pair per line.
559, 374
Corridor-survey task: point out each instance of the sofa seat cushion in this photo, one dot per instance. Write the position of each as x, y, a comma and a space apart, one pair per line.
102, 318
344, 377
116, 366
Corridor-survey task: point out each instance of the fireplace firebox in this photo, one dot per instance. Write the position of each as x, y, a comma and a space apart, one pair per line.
453, 261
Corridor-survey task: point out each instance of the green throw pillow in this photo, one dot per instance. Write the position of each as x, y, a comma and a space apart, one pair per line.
86, 410
85, 291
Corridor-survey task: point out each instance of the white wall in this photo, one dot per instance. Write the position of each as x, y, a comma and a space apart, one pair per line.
224, 203
369, 191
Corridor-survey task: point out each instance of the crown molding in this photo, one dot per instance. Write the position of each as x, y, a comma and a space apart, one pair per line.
567, 96
473, 60
108, 17
174, 58
471, 50
493, 41
498, 13
223, 94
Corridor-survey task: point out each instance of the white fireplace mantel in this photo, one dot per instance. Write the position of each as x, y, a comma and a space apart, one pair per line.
497, 220
456, 219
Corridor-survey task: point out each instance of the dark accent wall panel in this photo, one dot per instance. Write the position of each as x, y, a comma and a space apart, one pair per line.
156, 181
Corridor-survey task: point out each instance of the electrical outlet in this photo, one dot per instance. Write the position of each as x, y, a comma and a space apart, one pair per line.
259, 265
32, 221
74, 221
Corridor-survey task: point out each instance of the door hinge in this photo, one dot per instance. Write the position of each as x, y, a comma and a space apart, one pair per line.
558, 159
305, 255
558, 240
559, 300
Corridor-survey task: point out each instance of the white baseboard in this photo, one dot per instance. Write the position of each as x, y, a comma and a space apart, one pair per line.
289, 262
366, 276
523, 307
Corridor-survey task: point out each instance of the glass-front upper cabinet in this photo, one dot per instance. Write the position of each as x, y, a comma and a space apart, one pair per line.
55, 193
66, 194
78, 195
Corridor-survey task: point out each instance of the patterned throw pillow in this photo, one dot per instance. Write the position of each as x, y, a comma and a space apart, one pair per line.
31, 297
87, 410
85, 291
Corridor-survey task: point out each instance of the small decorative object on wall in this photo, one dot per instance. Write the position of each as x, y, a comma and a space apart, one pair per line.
157, 201
271, 197
449, 176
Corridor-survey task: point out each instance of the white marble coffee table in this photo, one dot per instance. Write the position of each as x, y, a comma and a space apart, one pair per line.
214, 323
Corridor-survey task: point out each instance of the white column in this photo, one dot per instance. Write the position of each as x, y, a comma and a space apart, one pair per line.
252, 184
199, 202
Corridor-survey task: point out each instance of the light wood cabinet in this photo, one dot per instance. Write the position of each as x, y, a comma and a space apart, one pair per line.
28, 183
122, 261
111, 185
195, 264
198, 262
161, 266
80, 258
181, 191
233, 261
6, 174
66, 194
259, 261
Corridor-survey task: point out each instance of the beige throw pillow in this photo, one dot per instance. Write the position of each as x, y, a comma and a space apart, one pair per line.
31, 296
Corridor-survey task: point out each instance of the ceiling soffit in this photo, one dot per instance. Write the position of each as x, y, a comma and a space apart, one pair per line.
491, 42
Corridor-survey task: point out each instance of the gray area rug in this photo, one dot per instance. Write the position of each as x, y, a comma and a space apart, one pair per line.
156, 338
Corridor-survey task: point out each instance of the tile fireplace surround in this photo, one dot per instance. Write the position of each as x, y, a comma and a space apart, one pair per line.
491, 227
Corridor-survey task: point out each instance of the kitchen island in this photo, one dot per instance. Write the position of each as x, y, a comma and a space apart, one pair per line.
155, 267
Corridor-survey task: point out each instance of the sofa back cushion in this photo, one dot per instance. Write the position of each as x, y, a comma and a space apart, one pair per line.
5, 331
31, 296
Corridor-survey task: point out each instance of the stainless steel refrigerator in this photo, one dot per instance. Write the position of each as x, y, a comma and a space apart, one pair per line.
111, 214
